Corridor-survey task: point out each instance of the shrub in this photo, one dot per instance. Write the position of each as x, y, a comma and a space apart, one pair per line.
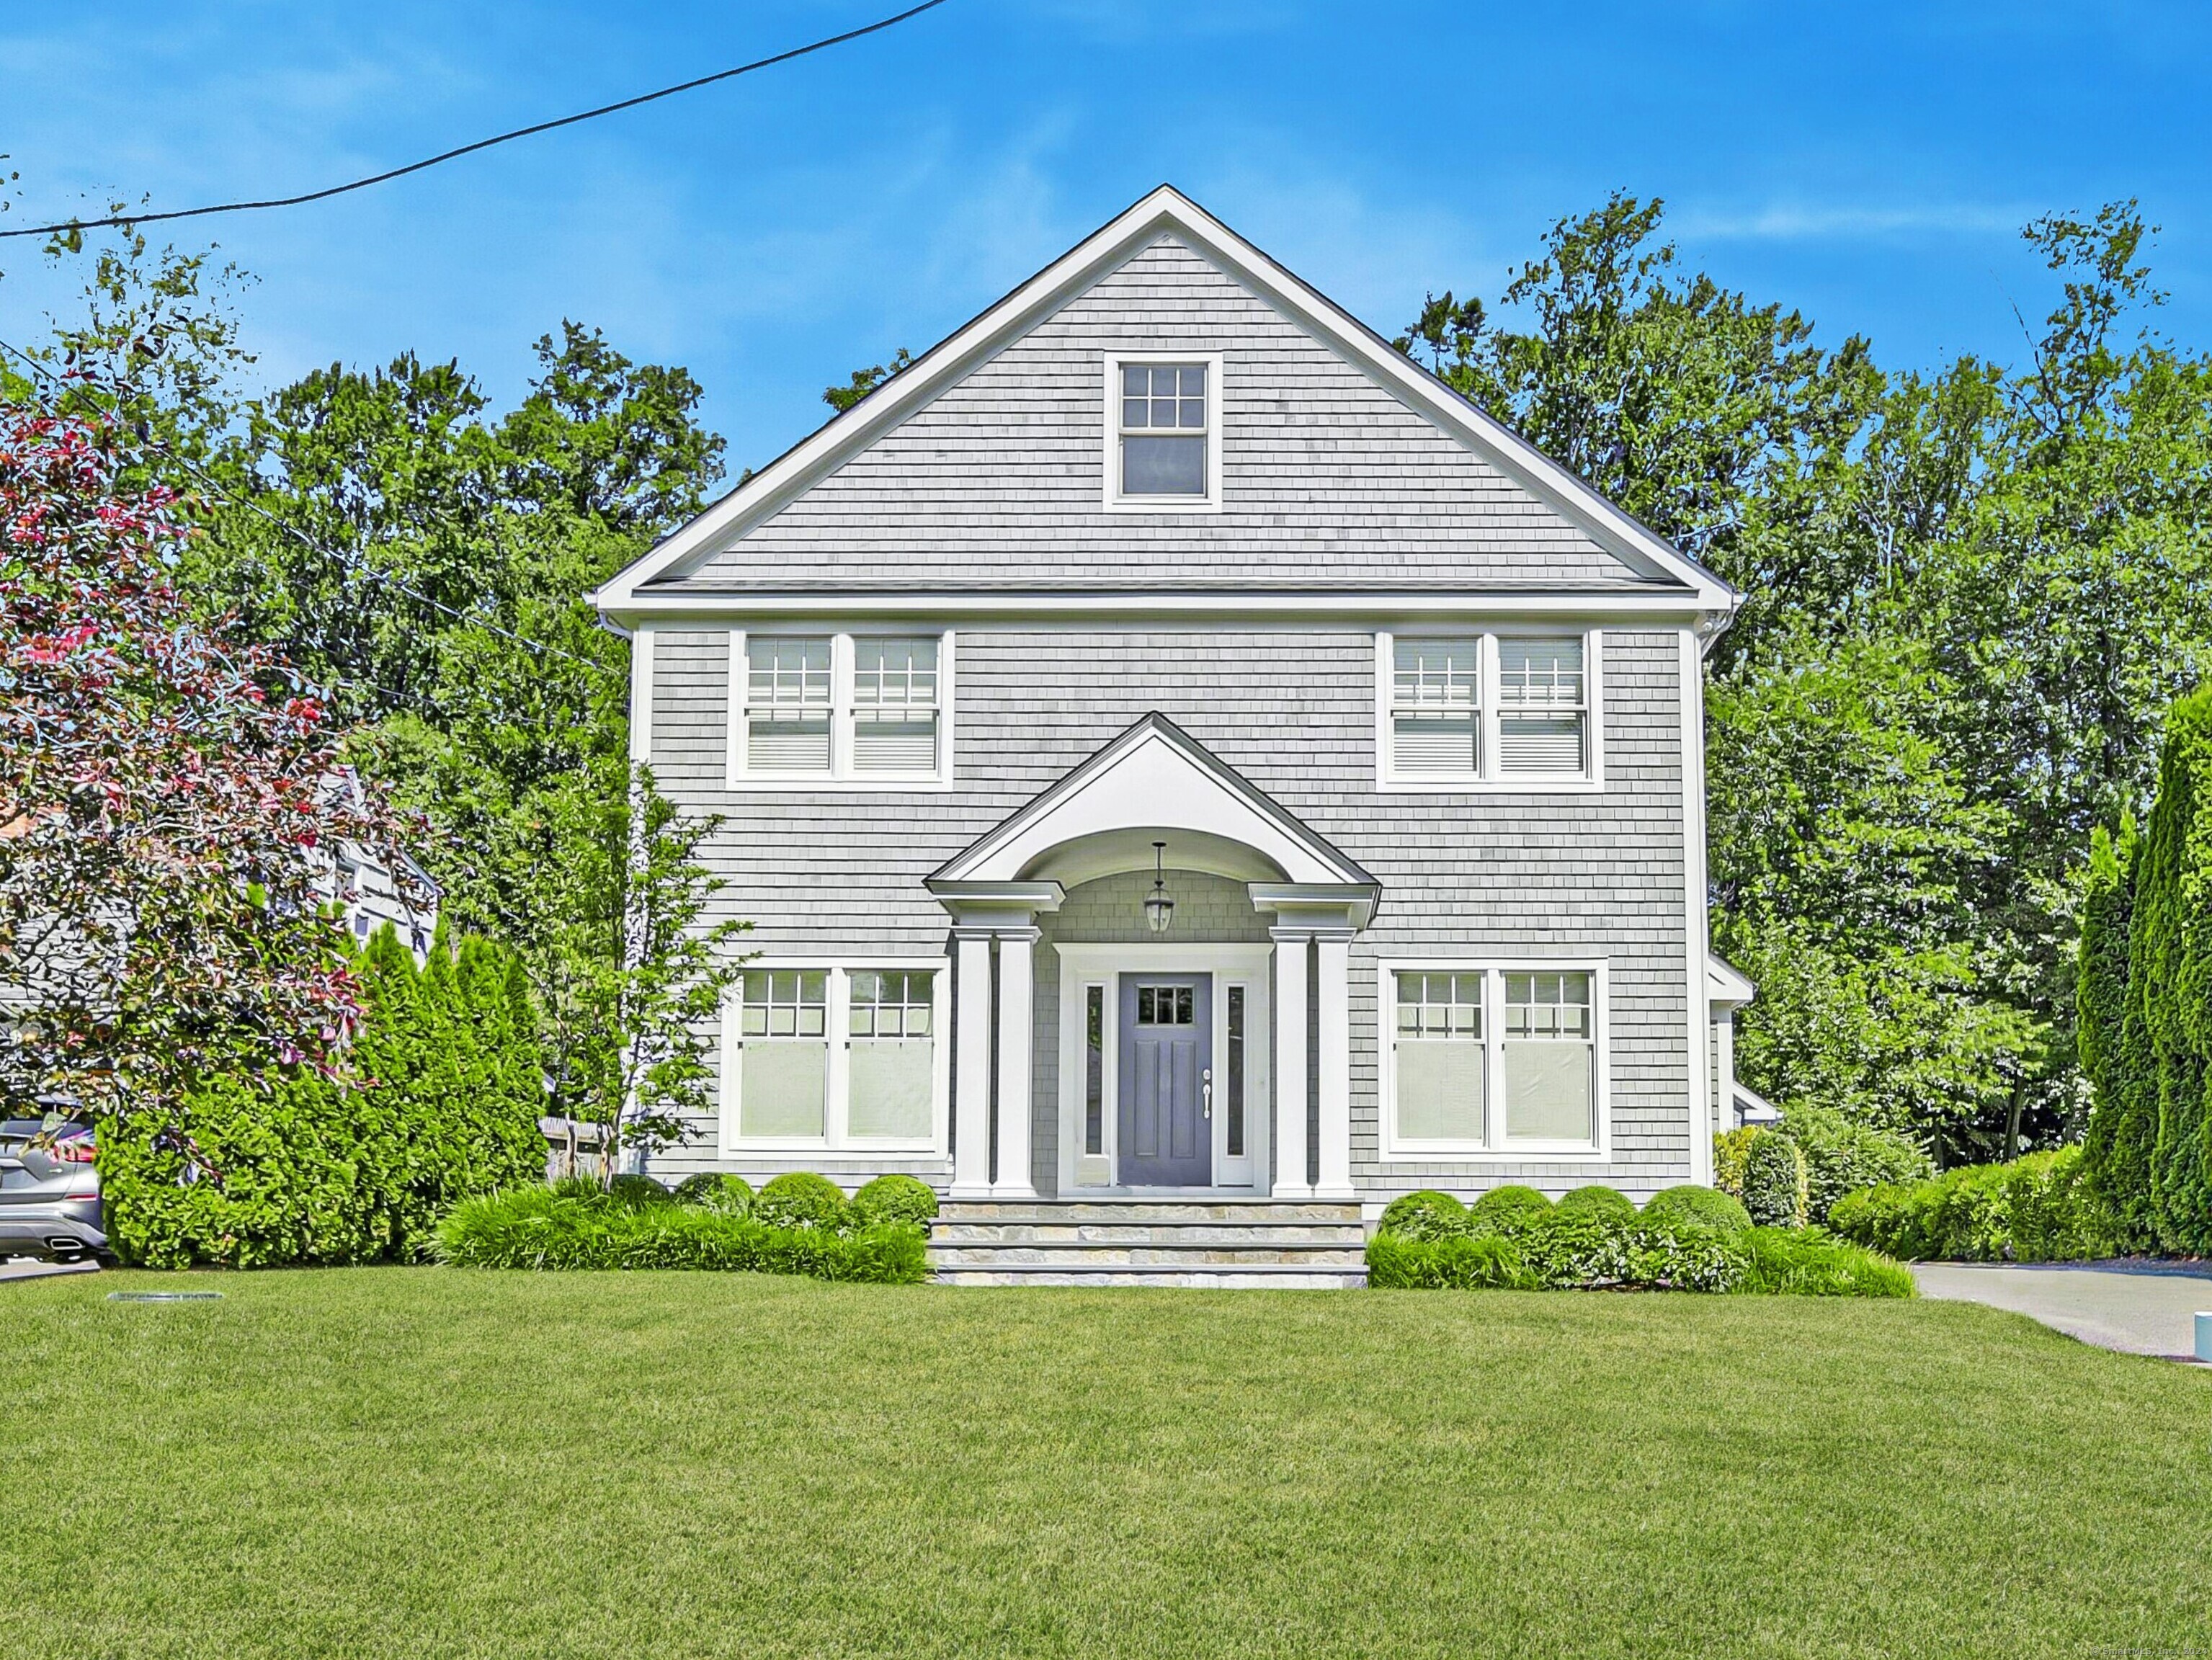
1400, 1261
1689, 1206
1731, 1152
638, 1192
801, 1199
539, 1227
1811, 1262
2042, 1208
894, 1199
1842, 1157
1774, 1185
437, 1098
733, 1195
1425, 1215
1597, 1200
1508, 1207
1562, 1251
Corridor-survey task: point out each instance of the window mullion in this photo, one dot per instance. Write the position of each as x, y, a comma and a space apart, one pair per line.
841, 714
1489, 678
1493, 1058
837, 1023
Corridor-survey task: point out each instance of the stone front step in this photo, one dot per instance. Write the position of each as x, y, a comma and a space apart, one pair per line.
1137, 1242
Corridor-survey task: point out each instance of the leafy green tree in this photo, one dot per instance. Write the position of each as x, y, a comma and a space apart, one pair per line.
865, 382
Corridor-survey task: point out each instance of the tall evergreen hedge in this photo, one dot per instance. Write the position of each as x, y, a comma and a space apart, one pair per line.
437, 1100
2145, 1003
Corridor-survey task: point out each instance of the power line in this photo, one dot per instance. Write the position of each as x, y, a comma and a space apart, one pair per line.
481, 143
542, 647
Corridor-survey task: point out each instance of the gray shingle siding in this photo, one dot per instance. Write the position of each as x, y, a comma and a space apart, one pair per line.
1328, 478
839, 873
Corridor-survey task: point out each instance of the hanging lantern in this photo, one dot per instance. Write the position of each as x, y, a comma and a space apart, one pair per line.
1159, 909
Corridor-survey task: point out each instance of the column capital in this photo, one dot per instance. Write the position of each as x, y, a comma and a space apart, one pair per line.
996, 907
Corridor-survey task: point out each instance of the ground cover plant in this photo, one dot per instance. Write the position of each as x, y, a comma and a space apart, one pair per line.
406, 1461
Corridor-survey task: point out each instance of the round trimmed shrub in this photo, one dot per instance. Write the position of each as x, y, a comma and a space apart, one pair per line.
1504, 1209
1693, 1206
1427, 1214
801, 1199
894, 1199
729, 1195
636, 1192
1774, 1182
1598, 1200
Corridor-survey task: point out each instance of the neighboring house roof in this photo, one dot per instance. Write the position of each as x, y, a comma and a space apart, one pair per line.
1752, 1107
1154, 779
1500, 515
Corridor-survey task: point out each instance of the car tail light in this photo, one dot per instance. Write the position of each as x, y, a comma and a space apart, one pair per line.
77, 1150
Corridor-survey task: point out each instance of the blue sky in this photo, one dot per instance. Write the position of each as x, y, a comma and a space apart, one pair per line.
1870, 163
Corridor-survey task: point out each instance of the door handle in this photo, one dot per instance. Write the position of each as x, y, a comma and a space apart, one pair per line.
1205, 1090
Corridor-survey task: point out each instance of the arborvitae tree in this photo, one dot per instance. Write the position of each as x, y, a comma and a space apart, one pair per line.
2112, 1032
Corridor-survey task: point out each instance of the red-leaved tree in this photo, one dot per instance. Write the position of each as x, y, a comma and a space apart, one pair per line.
171, 802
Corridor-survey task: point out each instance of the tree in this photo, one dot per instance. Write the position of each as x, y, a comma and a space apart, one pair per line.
170, 801
865, 382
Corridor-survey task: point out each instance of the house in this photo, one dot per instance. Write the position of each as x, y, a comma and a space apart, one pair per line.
1192, 778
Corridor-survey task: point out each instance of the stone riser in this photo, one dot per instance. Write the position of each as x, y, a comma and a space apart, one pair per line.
1148, 1233
1230, 1280
1236, 1214
1226, 1256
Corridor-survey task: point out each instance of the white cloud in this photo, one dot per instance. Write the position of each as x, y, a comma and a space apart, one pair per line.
1797, 223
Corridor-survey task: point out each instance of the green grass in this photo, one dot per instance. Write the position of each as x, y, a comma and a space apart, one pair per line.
438, 1461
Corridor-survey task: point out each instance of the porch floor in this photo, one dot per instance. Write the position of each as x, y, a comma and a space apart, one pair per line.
1139, 1242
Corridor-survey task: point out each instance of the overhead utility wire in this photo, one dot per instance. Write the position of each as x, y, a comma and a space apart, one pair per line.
368, 573
481, 143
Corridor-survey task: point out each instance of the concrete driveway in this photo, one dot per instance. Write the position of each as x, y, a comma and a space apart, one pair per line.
25, 1267
2142, 1308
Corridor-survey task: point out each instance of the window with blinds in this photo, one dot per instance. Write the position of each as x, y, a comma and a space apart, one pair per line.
789, 703
1551, 1058
895, 705
835, 1059
1440, 1061
1491, 1062
1542, 705
841, 706
1487, 709
890, 1079
783, 1025
1436, 706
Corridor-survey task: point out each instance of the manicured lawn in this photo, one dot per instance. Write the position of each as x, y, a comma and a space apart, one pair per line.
434, 1462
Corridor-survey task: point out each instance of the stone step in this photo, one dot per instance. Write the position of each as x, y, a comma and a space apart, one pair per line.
1265, 1276
1119, 1232
1147, 1256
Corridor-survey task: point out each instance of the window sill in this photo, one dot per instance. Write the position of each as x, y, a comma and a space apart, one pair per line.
1527, 783
1162, 504
887, 783
1549, 1153
781, 1150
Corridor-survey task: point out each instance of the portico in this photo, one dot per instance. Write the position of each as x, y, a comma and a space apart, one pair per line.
1179, 1060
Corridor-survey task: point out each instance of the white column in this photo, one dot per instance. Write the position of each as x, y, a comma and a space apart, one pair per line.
1333, 989
971, 1049
1016, 978
1290, 1012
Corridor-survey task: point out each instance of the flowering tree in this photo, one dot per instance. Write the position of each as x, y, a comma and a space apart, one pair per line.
171, 802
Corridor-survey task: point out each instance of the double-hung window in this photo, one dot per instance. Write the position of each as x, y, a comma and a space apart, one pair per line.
835, 1059
1163, 432
1492, 1062
841, 707
1512, 709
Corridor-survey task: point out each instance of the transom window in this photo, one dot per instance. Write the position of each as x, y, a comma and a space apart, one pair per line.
1485, 1060
830, 1058
1486, 707
837, 706
1163, 426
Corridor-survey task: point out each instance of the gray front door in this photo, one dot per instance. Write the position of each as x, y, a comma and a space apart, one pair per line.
1167, 1072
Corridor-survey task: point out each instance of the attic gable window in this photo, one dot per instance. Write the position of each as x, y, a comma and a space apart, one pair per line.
1163, 432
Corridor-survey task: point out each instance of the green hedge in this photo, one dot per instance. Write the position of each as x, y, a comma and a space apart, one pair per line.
1688, 1239
540, 1227
2144, 1004
2042, 1208
438, 1100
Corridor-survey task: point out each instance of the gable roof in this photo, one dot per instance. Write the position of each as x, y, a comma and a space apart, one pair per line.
1154, 776
1165, 211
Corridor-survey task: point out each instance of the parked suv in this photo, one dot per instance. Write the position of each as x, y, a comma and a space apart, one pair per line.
49, 1190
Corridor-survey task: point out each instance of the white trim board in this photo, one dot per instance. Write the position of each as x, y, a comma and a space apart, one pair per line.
1166, 212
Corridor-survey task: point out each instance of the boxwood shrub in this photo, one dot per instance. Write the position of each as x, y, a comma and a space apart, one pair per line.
1597, 1199
801, 1199
1427, 1214
894, 1199
1691, 1205
731, 1194
539, 1227
1508, 1206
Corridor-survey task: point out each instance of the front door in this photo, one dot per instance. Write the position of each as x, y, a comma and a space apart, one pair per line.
1166, 1138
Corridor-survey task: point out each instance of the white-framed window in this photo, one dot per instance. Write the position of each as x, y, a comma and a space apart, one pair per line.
828, 1058
1488, 709
846, 709
1493, 1061
1164, 431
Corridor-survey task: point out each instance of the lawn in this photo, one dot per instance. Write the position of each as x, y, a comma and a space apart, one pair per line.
433, 1463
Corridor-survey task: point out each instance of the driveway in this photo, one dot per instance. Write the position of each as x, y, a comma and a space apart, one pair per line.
25, 1267
2143, 1308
